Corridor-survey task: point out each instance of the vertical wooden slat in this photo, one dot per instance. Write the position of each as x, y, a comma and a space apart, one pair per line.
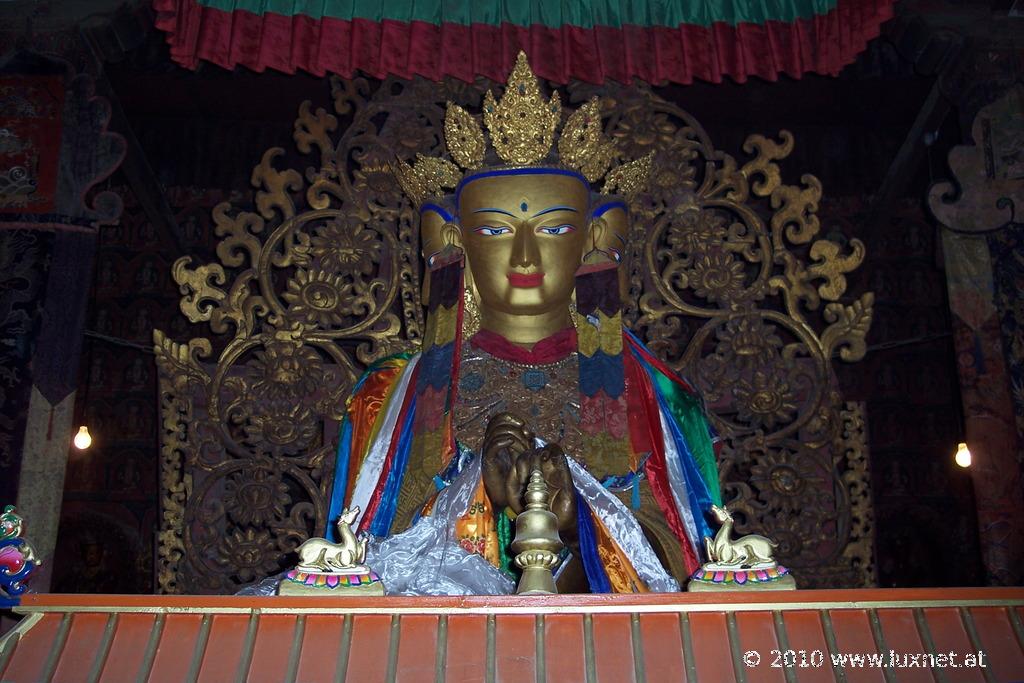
924, 631
1018, 624
688, 657
417, 648
639, 670
838, 670
83, 642
344, 650
998, 641
539, 648
230, 635
492, 649
100, 659
900, 634
245, 658
782, 635
370, 651
757, 634
613, 649
274, 652
298, 635
565, 654
441, 650
199, 650
738, 668
947, 634
465, 660
711, 648
805, 632
515, 654
56, 648
880, 645
589, 656
394, 638
661, 645
122, 649
972, 635
8, 642
323, 640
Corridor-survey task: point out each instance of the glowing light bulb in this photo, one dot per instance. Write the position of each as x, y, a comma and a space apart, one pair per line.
82, 439
963, 455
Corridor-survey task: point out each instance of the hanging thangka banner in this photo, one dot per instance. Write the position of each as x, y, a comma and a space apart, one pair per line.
30, 138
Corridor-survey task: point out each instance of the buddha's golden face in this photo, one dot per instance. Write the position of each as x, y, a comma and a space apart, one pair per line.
524, 236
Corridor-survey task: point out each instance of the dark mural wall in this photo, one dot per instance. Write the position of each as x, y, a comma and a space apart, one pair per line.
109, 515
925, 525
24, 267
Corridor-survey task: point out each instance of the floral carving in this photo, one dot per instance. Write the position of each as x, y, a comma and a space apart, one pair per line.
765, 399
790, 532
748, 341
284, 371
375, 181
317, 296
345, 245
783, 479
695, 231
250, 553
282, 430
716, 276
643, 131
255, 497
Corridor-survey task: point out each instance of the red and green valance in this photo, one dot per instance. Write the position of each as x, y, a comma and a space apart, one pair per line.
656, 41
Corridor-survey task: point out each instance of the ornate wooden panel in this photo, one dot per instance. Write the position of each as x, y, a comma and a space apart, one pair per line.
730, 283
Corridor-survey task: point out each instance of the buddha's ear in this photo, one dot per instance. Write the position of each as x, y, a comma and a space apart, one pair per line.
439, 231
609, 233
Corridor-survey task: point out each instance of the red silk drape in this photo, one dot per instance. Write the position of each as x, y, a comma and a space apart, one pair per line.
822, 44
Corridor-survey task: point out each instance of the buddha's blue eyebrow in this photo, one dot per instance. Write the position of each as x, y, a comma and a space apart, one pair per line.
553, 209
539, 213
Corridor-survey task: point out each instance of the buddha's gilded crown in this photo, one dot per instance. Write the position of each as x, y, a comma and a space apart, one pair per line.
522, 131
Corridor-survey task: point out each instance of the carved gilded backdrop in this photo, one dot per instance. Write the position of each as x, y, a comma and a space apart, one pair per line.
729, 282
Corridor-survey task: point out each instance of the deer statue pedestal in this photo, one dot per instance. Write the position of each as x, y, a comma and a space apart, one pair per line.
744, 563
361, 582
327, 568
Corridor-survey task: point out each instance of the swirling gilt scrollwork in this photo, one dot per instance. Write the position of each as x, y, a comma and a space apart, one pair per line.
729, 282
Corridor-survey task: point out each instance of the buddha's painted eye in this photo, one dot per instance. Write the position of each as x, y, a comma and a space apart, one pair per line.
556, 230
488, 231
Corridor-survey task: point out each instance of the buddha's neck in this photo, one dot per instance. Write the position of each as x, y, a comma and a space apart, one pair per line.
525, 330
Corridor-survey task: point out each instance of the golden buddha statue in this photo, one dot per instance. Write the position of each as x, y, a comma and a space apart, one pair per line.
525, 365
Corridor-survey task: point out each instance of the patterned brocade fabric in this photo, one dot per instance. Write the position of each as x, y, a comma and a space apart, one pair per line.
490, 385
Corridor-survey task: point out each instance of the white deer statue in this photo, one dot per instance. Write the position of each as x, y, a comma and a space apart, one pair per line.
746, 552
345, 557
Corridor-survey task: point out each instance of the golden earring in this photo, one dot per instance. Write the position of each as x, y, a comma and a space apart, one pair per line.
470, 314
470, 309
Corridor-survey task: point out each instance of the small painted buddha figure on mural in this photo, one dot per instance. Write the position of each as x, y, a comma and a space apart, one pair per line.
525, 363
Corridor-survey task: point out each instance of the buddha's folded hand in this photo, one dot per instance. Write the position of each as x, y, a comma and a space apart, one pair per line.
510, 455
506, 438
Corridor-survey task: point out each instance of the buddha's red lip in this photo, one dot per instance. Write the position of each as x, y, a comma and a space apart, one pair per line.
522, 280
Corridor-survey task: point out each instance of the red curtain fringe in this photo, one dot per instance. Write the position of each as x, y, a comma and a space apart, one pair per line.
822, 44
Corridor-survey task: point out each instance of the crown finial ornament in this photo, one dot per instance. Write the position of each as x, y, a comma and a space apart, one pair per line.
522, 129
522, 125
